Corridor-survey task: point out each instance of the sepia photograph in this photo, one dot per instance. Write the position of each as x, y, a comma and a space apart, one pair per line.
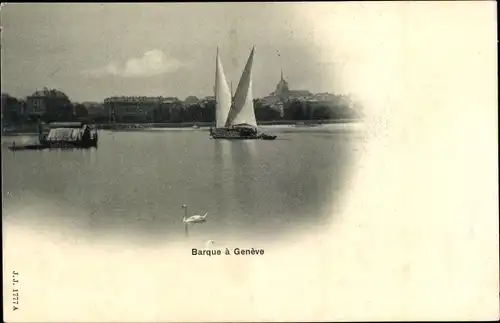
256, 161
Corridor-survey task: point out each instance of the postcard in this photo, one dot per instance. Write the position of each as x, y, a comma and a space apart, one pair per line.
231, 162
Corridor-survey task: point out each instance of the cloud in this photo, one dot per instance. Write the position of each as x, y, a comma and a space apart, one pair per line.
153, 62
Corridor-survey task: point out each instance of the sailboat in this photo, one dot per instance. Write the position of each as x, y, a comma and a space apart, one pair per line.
223, 96
235, 119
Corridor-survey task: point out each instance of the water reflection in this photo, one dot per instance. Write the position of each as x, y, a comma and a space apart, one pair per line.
223, 178
135, 183
244, 159
89, 157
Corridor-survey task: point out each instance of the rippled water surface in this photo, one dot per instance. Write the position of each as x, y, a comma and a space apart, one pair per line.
134, 184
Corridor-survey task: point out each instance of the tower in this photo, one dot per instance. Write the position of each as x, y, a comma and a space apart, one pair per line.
282, 87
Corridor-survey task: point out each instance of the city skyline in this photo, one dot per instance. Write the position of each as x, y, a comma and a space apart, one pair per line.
281, 93
94, 51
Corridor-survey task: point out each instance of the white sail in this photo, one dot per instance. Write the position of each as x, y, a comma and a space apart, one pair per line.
242, 110
222, 95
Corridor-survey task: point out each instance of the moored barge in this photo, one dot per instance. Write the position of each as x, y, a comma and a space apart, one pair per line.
63, 135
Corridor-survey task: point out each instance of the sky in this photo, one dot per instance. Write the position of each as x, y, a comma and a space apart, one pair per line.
379, 52
93, 51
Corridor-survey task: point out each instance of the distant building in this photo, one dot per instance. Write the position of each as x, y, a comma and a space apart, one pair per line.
49, 104
94, 109
140, 108
270, 100
170, 108
207, 101
209, 98
282, 90
324, 97
191, 100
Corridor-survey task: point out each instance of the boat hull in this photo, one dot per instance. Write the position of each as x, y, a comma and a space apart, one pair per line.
54, 145
27, 147
268, 137
254, 137
69, 144
235, 137
239, 132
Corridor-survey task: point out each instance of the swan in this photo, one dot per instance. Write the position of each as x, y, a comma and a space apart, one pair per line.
208, 244
194, 218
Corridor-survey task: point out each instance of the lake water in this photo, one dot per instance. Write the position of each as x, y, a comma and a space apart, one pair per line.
134, 184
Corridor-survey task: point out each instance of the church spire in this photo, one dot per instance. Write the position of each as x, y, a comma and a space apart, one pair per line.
281, 87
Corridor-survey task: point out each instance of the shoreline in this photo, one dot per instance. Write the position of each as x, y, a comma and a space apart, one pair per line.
28, 131
211, 124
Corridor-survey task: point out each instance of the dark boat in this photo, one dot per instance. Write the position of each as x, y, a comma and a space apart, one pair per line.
44, 146
240, 133
62, 135
27, 147
68, 135
235, 132
265, 136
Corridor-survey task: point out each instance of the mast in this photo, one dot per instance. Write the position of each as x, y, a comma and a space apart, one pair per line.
216, 73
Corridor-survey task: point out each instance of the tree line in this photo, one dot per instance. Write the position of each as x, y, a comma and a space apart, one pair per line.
292, 110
